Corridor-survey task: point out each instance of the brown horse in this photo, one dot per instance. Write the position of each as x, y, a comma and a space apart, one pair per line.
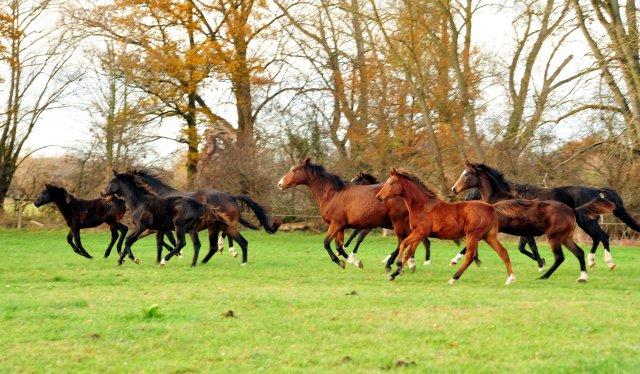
346, 205
551, 218
431, 217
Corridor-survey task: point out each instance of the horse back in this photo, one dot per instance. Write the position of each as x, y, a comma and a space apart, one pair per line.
357, 207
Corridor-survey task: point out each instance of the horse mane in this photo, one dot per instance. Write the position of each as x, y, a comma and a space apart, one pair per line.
138, 182
68, 197
369, 177
497, 177
319, 170
414, 178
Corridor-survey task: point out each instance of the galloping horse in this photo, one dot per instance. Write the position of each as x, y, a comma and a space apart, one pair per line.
148, 211
432, 217
366, 179
345, 205
551, 218
226, 203
83, 214
574, 197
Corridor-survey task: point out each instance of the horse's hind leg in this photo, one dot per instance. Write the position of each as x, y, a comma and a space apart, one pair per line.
600, 236
123, 233
492, 239
363, 234
353, 235
73, 246
460, 255
159, 244
556, 247
243, 245
524, 240
76, 237
114, 237
331, 234
352, 257
220, 243
409, 243
213, 230
196, 245
231, 248
579, 253
180, 234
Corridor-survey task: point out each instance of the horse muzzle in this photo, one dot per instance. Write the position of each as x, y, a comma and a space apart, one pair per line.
380, 199
453, 189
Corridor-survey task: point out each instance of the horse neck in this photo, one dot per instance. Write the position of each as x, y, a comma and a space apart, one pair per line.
159, 188
61, 203
320, 187
490, 191
130, 192
415, 199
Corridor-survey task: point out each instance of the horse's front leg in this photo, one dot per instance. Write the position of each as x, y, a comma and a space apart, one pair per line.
159, 244
214, 244
128, 242
180, 234
123, 233
412, 239
350, 258
76, 237
114, 238
331, 234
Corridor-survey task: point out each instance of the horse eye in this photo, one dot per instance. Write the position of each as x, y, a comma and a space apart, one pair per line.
391, 184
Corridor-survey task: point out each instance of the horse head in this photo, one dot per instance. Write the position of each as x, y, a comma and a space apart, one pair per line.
468, 179
392, 187
43, 198
112, 187
296, 175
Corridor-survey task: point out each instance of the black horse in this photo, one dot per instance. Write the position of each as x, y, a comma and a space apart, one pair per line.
226, 203
365, 179
574, 197
83, 214
148, 211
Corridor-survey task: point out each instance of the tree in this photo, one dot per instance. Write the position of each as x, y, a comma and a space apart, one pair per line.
37, 60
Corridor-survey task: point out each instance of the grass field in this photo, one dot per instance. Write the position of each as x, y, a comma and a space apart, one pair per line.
60, 312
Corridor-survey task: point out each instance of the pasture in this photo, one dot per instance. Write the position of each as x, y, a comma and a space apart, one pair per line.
294, 311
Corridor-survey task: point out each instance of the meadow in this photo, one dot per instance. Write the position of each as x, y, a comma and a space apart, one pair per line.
294, 311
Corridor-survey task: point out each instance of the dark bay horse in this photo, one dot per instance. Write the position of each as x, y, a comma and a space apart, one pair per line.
365, 179
83, 214
574, 197
345, 205
148, 211
226, 203
551, 218
432, 217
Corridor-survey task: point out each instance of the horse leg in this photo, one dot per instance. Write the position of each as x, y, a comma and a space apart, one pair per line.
363, 234
579, 253
114, 238
331, 234
595, 238
491, 238
128, 242
427, 247
353, 235
352, 257
471, 250
76, 237
231, 248
556, 247
238, 238
196, 245
123, 233
180, 234
172, 240
603, 237
524, 240
414, 238
460, 255
159, 244
214, 230
409, 257
221, 243
70, 241
389, 260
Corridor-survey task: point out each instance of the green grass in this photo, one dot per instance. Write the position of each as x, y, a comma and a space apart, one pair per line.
60, 312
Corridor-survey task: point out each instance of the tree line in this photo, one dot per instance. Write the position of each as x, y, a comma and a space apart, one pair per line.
255, 85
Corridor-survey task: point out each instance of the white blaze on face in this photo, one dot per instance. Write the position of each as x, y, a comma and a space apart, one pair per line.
461, 175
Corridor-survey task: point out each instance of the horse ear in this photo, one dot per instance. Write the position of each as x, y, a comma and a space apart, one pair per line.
361, 173
306, 160
114, 172
46, 186
393, 172
466, 162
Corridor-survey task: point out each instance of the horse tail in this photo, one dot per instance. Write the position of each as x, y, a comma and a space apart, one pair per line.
213, 215
597, 207
512, 207
619, 211
270, 225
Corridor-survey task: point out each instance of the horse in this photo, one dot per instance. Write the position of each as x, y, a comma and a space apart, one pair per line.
365, 179
83, 214
148, 211
345, 205
573, 197
551, 218
226, 203
432, 217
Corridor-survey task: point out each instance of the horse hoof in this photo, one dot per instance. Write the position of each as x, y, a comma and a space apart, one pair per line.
591, 266
478, 262
120, 263
544, 262
427, 263
243, 264
451, 281
453, 263
391, 277
580, 280
341, 264
386, 270
235, 254
136, 261
511, 279
160, 265
360, 265
612, 266
401, 272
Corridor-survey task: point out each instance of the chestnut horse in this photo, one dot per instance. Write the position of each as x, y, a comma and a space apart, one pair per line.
365, 179
345, 205
551, 218
431, 217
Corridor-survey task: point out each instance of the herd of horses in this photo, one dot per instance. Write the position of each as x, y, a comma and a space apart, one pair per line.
404, 203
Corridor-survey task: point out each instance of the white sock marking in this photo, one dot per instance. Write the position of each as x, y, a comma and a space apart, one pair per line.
608, 259
591, 259
427, 263
221, 244
583, 276
386, 259
511, 279
412, 264
162, 262
457, 258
